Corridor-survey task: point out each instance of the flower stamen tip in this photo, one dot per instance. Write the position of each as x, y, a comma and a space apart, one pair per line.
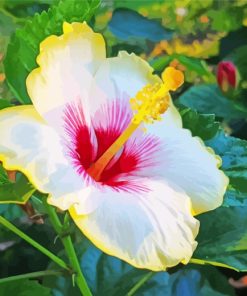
172, 78
153, 100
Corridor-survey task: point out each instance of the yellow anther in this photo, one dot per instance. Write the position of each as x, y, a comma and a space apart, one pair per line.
148, 105
153, 100
172, 78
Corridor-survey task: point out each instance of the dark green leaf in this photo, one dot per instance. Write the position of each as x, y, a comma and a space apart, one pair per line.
233, 152
239, 58
198, 281
22, 257
223, 237
3, 176
127, 23
231, 41
109, 276
16, 192
3, 208
201, 125
208, 98
161, 62
234, 198
197, 65
24, 288
24, 46
4, 104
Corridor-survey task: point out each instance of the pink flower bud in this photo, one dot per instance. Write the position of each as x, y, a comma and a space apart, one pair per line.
227, 76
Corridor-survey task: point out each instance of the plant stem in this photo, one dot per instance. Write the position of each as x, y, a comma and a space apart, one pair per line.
32, 242
31, 275
69, 248
140, 283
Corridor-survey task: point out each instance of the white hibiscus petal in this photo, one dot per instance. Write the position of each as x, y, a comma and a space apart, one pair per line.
67, 65
30, 146
187, 163
123, 76
153, 230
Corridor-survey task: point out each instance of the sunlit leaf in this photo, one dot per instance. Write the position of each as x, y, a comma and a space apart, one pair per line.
229, 19
16, 192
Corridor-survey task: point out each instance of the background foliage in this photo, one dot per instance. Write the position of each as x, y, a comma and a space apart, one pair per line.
194, 36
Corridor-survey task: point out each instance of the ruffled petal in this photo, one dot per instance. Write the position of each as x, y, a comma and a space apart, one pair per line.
185, 162
67, 64
123, 76
30, 146
153, 230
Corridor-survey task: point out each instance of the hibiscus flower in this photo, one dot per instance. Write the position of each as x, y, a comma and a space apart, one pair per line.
105, 141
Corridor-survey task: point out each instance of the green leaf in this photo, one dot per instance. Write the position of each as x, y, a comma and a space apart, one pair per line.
239, 58
233, 152
3, 208
198, 281
109, 276
127, 23
223, 237
24, 46
231, 41
234, 198
4, 104
207, 98
3, 176
229, 19
201, 125
17, 192
160, 63
197, 65
191, 64
24, 288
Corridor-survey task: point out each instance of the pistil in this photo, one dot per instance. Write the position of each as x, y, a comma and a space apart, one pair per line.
148, 105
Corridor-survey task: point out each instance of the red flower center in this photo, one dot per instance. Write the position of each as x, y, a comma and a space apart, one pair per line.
88, 139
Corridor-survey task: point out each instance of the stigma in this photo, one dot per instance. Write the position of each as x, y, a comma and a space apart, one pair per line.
148, 105
153, 100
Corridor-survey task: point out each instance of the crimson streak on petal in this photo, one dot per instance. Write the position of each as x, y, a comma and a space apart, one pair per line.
88, 138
